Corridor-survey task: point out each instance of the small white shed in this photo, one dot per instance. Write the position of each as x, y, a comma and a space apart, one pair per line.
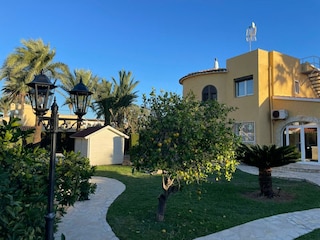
103, 145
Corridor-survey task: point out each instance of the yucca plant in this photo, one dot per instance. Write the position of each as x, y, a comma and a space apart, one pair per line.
264, 158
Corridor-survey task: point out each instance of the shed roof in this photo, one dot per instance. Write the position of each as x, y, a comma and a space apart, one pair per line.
86, 133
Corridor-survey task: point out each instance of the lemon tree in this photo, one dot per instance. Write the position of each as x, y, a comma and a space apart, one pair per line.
187, 140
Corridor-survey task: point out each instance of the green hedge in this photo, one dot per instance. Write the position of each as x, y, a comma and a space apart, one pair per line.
24, 184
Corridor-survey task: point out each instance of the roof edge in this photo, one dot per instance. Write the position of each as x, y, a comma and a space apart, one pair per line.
117, 132
93, 130
204, 72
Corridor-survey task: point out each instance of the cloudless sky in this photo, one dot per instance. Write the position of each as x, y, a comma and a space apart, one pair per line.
159, 41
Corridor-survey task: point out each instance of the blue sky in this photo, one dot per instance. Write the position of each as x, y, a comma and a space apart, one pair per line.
159, 41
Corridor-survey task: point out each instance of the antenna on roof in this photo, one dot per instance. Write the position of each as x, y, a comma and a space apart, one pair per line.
251, 34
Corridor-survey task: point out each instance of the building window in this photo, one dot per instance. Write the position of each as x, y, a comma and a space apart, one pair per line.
296, 86
246, 131
244, 86
209, 93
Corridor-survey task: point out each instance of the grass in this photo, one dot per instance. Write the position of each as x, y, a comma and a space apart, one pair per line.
310, 236
197, 210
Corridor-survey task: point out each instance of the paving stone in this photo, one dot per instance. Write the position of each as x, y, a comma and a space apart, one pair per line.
86, 220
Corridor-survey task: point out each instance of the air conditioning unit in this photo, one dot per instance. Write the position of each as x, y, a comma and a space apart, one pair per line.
279, 114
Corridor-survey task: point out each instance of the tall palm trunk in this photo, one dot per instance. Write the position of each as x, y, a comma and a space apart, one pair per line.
37, 132
265, 182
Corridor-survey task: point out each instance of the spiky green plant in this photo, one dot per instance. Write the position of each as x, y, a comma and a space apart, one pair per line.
265, 157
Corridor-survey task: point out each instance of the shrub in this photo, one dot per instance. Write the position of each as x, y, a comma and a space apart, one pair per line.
72, 178
24, 184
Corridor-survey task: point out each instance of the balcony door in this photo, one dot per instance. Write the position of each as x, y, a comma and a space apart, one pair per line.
306, 139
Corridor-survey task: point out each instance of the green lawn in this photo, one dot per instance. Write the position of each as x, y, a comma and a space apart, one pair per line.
197, 210
310, 236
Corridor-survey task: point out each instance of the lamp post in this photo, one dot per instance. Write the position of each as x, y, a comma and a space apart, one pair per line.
41, 95
80, 97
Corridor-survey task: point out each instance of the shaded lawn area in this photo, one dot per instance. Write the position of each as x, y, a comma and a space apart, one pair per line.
197, 210
310, 236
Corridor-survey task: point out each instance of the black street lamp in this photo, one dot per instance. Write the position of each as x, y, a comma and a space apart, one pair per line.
80, 97
41, 95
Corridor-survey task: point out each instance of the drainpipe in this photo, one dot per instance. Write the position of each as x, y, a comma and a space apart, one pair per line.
270, 79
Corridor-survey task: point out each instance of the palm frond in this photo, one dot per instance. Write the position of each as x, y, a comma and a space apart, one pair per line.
267, 156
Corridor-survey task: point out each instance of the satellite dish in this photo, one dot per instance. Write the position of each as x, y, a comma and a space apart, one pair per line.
251, 34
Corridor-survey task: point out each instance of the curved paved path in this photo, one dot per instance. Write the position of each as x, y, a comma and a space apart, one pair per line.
87, 219
286, 226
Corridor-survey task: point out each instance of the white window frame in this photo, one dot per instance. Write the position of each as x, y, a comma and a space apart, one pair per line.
246, 131
244, 80
296, 86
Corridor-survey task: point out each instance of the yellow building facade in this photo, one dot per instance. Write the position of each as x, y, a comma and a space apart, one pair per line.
277, 98
66, 123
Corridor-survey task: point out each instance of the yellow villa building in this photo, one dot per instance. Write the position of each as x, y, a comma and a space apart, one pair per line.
277, 98
67, 122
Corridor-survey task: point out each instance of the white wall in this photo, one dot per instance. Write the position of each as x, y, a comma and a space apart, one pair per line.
103, 147
118, 143
106, 148
81, 145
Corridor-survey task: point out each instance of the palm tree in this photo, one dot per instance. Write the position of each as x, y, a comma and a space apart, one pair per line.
113, 98
104, 101
68, 81
124, 92
265, 158
5, 104
20, 68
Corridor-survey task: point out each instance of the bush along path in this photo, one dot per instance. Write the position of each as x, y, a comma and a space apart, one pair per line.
24, 180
